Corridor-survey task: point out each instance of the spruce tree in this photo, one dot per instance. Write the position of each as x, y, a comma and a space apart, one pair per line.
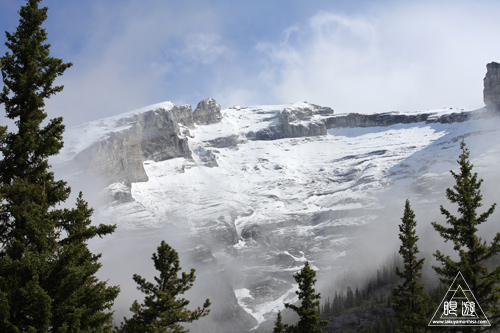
163, 310
309, 318
410, 301
473, 252
47, 280
279, 327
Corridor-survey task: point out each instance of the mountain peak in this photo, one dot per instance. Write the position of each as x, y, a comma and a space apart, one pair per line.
264, 188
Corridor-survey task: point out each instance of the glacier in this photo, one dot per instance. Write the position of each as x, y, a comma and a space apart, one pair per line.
249, 205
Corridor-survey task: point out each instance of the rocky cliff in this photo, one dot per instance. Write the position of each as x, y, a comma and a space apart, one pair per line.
163, 133
392, 118
314, 120
491, 92
207, 112
152, 135
158, 134
304, 120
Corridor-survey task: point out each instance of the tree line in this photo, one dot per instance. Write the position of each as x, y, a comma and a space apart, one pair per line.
47, 272
372, 295
476, 261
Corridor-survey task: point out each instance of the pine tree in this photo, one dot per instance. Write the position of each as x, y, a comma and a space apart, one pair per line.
47, 280
279, 327
473, 251
410, 301
162, 310
309, 319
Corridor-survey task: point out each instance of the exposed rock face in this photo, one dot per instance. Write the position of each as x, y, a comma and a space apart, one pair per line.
184, 115
225, 142
162, 133
120, 193
117, 159
161, 138
313, 120
207, 157
392, 118
291, 126
207, 112
153, 135
491, 92
307, 120
378, 119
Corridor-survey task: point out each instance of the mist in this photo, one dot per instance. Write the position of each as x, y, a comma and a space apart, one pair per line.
368, 57
361, 250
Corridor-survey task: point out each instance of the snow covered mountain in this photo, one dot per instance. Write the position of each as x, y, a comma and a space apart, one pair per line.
248, 194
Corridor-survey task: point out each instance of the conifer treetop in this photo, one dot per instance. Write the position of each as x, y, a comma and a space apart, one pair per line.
474, 253
309, 318
163, 310
28, 71
410, 301
47, 272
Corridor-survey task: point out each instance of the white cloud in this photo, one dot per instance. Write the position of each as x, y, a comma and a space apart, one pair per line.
132, 55
396, 56
205, 48
403, 57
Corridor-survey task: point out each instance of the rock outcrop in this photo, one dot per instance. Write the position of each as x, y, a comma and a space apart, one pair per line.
159, 134
207, 112
116, 159
314, 120
293, 122
161, 137
491, 92
225, 142
152, 135
373, 120
162, 133
393, 118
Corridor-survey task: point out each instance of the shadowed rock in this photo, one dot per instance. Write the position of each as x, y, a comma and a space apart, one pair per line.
491, 92
207, 112
152, 135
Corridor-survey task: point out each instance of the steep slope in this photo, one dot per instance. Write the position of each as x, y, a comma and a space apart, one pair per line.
247, 194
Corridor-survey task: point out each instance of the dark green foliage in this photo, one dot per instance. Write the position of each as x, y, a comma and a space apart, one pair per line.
279, 327
474, 253
386, 325
47, 280
410, 301
437, 294
371, 293
162, 310
309, 318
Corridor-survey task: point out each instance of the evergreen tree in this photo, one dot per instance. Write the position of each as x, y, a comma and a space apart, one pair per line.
350, 302
47, 280
473, 251
162, 310
279, 327
410, 301
309, 319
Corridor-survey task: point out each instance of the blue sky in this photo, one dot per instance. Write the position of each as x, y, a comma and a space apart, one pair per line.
354, 56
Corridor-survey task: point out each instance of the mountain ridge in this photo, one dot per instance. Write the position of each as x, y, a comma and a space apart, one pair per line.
247, 194
161, 132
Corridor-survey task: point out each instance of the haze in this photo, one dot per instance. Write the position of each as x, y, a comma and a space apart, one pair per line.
362, 56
